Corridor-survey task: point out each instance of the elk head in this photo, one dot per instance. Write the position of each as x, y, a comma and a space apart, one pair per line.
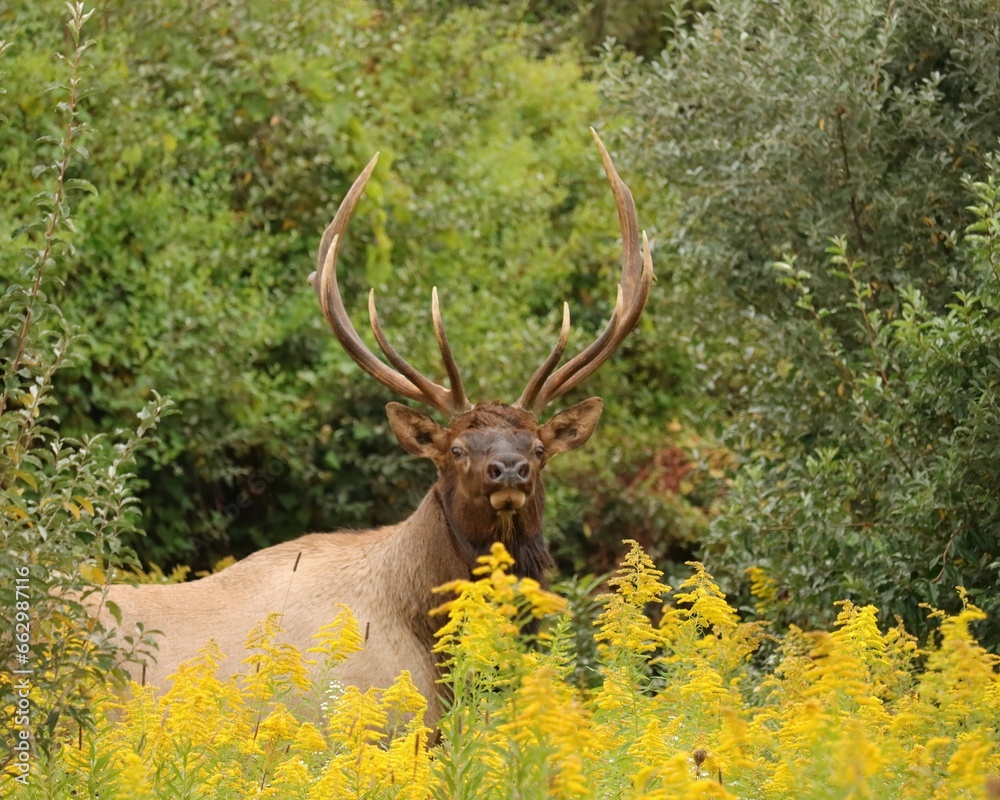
491, 455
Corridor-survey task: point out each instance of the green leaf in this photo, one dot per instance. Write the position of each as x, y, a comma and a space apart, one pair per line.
81, 184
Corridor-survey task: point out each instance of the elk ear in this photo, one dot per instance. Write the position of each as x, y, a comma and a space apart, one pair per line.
417, 433
569, 429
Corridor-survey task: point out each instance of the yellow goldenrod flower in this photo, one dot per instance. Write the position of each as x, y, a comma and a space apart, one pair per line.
623, 627
291, 777
337, 639
764, 589
273, 668
708, 604
678, 711
309, 740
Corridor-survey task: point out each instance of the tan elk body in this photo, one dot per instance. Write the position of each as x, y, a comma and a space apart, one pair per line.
489, 489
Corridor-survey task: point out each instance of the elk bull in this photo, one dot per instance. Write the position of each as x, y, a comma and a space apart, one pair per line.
489, 488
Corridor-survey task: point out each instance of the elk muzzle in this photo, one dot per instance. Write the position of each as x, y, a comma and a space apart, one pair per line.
508, 477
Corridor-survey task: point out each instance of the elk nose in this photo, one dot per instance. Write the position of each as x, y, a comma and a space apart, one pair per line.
509, 470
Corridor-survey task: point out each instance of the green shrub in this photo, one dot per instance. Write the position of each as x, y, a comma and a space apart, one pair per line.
66, 504
899, 503
859, 401
774, 125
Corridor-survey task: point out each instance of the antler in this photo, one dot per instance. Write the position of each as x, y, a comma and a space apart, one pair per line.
633, 292
407, 381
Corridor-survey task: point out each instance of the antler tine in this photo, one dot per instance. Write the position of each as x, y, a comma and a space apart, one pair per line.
633, 292
458, 399
428, 388
577, 370
408, 381
531, 391
336, 316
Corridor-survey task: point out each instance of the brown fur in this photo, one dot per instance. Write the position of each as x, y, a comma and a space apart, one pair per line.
384, 575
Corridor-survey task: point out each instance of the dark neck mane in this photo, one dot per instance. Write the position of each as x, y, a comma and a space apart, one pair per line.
522, 538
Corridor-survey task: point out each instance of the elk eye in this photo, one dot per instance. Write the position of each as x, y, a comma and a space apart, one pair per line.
540, 450
457, 452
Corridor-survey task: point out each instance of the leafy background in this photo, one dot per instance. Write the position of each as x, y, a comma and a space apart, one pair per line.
223, 143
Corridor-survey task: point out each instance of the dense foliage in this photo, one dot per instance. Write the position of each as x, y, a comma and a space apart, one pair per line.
896, 501
224, 141
65, 504
779, 126
849, 145
845, 713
